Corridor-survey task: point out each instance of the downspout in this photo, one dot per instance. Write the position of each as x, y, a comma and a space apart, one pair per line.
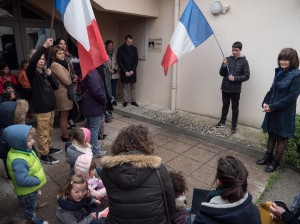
174, 71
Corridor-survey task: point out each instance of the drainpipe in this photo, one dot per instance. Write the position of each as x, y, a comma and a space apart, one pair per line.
174, 71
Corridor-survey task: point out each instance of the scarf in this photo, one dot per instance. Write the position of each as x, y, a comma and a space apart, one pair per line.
63, 63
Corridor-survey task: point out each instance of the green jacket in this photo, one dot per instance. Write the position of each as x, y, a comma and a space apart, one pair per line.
27, 173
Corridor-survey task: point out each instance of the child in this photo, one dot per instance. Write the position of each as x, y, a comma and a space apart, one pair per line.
179, 187
9, 92
86, 167
80, 145
43, 101
7, 77
75, 203
24, 168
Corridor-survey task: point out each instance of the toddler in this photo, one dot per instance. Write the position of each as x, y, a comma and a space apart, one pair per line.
25, 169
80, 145
179, 187
86, 167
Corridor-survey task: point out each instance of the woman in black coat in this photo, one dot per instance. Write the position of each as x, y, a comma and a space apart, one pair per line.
280, 107
131, 181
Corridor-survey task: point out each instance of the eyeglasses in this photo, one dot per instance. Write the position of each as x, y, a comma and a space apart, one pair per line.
79, 191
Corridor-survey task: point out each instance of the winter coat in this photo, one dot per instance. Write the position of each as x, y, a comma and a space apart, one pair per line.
74, 151
134, 190
25, 169
113, 65
70, 212
239, 68
128, 59
4, 80
282, 100
23, 80
43, 86
220, 211
63, 77
288, 218
94, 99
13, 112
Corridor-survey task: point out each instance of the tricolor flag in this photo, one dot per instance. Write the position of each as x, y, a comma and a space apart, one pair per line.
191, 31
80, 22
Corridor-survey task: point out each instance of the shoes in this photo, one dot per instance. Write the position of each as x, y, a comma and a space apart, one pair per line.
125, 104
48, 159
221, 124
102, 137
114, 103
100, 153
41, 205
64, 139
54, 151
233, 129
134, 104
272, 167
267, 159
108, 116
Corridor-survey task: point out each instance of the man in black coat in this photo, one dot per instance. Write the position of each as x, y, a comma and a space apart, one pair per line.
235, 70
128, 60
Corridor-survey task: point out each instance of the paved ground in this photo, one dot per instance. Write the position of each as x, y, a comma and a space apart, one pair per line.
192, 151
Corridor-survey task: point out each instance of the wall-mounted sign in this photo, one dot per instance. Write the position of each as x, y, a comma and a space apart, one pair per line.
154, 44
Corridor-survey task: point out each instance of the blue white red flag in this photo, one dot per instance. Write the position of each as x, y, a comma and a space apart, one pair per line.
191, 31
80, 23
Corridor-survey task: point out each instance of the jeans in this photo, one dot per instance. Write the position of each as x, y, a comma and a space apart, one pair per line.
93, 123
114, 83
28, 202
235, 98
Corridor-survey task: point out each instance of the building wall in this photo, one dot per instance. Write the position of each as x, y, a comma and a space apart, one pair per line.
264, 27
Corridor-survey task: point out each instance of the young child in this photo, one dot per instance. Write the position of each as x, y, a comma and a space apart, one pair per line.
75, 203
80, 145
7, 77
25, 169
9, 92
86, 167
179, 187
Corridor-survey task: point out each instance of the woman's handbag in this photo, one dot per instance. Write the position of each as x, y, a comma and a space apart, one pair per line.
164, 196
71, 92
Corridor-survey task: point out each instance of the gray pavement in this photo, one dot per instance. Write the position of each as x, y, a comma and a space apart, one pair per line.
186, 142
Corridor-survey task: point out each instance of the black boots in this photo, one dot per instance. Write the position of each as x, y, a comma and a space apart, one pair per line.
272, 167
267, 159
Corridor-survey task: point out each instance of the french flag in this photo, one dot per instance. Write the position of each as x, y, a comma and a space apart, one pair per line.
191, 31
80, 23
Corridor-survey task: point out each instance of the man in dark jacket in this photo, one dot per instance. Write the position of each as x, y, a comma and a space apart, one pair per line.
235, 70
128, 60
43, 101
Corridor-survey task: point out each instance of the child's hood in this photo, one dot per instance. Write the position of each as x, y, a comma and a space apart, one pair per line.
82, 165
17, 135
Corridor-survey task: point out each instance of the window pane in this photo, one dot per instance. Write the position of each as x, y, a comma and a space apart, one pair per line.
36, 37
29, 14
8, 52
6, 10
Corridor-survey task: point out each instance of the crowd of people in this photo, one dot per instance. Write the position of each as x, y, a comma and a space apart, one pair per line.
132, 176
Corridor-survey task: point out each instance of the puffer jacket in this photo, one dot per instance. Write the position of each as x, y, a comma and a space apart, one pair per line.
239, 68
134, 190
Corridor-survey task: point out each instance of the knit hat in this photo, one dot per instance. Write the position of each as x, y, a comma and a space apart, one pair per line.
82, 165
87, 135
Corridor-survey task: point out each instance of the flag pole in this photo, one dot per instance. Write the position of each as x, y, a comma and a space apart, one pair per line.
51, 28
222, 53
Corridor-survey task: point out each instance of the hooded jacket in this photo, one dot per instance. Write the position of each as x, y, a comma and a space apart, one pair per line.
134, 190
24, 166
220, 211
239, 68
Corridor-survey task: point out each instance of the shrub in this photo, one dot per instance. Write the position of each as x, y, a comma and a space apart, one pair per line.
292, 155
